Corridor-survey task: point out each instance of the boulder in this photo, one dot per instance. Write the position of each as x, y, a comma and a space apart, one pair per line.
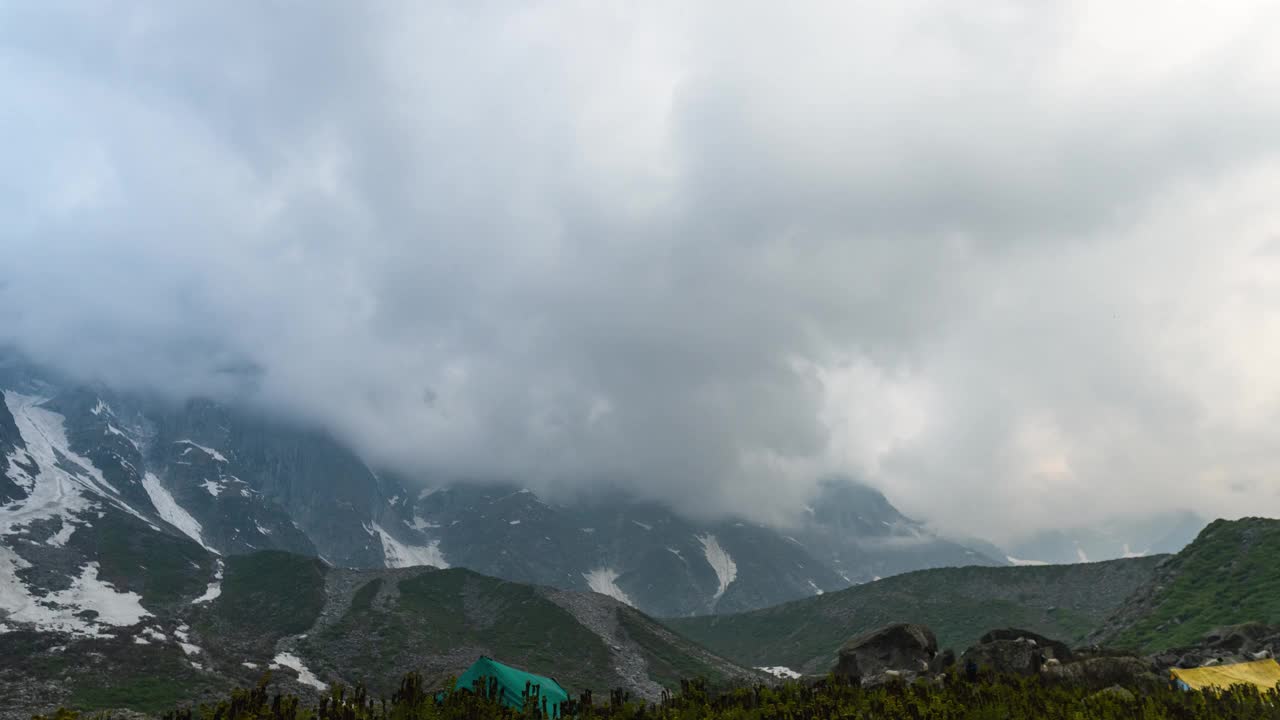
1051, 648
1103, 671
902, 647
1243, 638
942, 661
1017, 657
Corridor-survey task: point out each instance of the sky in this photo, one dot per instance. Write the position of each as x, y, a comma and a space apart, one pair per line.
1015, 264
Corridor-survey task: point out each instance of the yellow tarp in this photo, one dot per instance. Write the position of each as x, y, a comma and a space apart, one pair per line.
1263, 673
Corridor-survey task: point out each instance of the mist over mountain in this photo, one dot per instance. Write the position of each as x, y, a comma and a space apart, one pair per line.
1016, 278
235, 481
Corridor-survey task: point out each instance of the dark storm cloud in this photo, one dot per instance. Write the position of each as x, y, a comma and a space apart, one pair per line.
1000, 263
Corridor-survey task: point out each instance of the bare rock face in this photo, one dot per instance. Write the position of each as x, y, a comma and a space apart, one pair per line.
901, 648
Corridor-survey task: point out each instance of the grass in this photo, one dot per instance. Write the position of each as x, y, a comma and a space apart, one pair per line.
266, 596
176, 568
151, 694
989, 698
668, 663
959, 604
460, 614
1229, 575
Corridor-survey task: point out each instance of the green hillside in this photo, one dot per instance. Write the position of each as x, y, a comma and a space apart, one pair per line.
1230, 574
369, 626
959, 604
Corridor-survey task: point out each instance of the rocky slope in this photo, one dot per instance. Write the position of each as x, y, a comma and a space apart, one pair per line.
959, 604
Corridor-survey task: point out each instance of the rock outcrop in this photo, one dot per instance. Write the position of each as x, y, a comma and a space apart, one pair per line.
1015, 651
900, 648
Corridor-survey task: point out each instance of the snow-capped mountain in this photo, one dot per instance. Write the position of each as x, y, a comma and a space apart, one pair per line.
89, 476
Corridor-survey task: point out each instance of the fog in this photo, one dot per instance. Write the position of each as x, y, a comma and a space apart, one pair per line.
1018, 267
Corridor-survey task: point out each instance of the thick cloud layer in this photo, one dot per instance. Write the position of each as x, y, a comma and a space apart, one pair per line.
1018, 266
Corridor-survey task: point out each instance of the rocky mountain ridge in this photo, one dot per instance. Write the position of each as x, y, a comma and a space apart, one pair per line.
235, 481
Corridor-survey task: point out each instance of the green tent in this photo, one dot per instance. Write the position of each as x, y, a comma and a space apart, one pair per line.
511, 684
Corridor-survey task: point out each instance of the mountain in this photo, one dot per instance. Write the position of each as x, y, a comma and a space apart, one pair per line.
222, 624
854, 529
959, 604
1157, 534
235, 480
1228, 575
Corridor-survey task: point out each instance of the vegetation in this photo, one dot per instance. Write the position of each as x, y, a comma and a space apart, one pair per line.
952, 698
438, 617
667, 662
958, 604
1229, 575
176, 568
266, 596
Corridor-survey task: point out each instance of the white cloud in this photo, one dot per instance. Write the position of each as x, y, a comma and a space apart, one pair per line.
1006, 263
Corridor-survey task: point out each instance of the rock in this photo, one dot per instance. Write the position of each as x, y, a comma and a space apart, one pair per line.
1051, 648
902, 647
1245, 637
1021, 657
888, 677
942, 661
1103, 671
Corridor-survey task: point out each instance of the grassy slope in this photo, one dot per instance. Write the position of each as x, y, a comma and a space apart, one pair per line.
959, 604
265, 596
440, 621
1229, 575
671, 657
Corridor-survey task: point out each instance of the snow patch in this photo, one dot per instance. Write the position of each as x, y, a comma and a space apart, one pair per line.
816, 590
1131, 554
219, 457
212, 592
182, 632
514, 522
113, 430
215, 488
397, 554
1080, 554
293, 662
420, 524
60, 538
100, 408
643, 525
604, 581
61, 611
780, 671
1021, 562
725, 568
171, 512
263, 530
